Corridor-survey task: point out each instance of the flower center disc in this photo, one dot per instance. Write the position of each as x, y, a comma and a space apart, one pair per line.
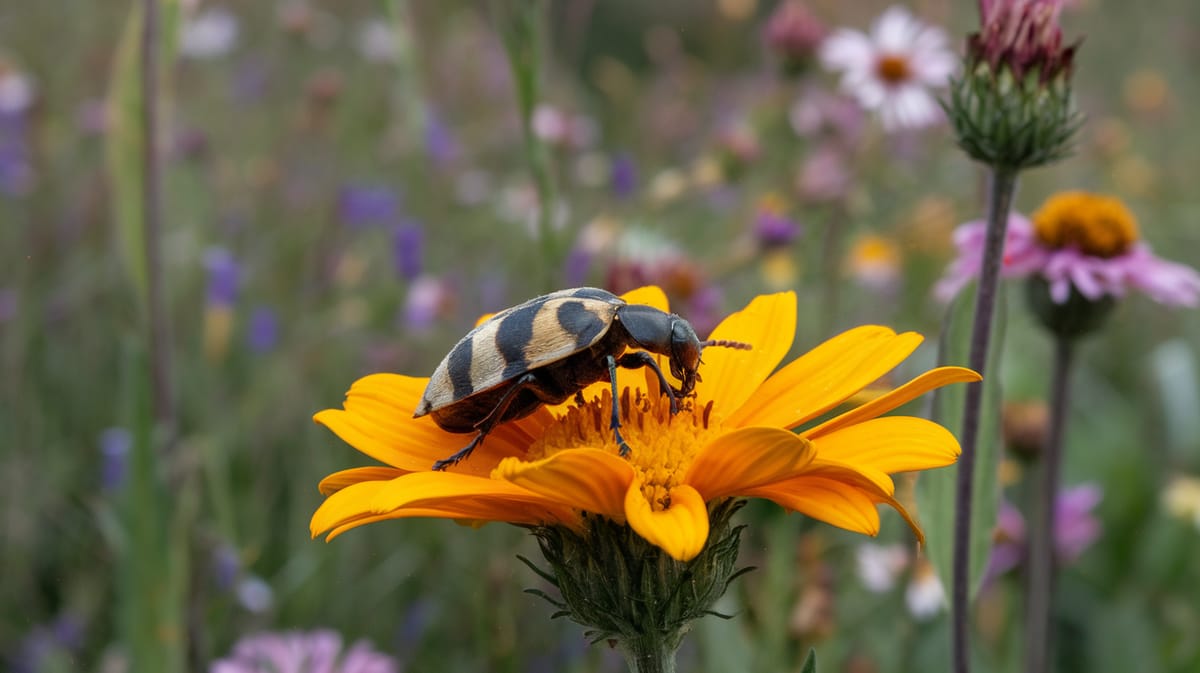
1094, 224
661, 446
893, 69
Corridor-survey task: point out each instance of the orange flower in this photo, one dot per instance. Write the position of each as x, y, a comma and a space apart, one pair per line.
746, 433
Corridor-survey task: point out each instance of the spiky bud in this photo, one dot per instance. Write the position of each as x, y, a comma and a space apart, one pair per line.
1012, 108
630, 592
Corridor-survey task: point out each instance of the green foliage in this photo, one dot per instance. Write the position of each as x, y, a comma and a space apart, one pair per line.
936, 490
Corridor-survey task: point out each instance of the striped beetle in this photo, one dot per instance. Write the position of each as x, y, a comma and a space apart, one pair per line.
550, 348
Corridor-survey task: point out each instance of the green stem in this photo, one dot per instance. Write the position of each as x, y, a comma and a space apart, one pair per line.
1039, 587
523, 42
1003, 185
831, 267
652, 653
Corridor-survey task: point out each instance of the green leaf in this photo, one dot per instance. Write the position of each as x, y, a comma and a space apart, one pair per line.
810, 662
936, 489
123, 148
123, 151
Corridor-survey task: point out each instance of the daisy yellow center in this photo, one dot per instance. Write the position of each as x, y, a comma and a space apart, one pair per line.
1094, 224
893, 69
662, 446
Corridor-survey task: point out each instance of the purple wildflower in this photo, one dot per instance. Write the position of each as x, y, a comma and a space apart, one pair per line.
16, 169
226, 566
772, 227
8, 304
115, 444
624, 176
441, 146
408, 245
367, 205
263, 332
224, 277
318, 651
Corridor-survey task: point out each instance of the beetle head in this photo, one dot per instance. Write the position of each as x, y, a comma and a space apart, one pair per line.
685, 354
668, 334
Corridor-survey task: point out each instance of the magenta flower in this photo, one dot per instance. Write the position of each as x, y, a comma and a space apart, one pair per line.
303, 652
1023, 35
1075, 529
794, 33
1081, 241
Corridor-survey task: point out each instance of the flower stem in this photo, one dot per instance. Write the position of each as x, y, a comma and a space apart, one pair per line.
522, 33
1039, 583
831, 267
1003, 184
649, 653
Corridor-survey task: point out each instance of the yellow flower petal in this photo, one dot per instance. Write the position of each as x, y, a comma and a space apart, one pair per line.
588, 479
349, 503
339, 480
930, 380
890, 444
680, 530
650, 295
826, 376
747, 458
730, 375
468, 513
445, 489
377, 420
829, 500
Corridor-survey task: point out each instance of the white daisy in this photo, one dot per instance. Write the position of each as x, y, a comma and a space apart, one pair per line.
893, 68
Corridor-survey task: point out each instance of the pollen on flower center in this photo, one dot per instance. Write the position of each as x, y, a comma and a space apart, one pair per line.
893, 69
1095, 224
661, 446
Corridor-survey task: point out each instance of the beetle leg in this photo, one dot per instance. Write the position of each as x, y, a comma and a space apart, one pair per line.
638, 359
490, 421
616, 406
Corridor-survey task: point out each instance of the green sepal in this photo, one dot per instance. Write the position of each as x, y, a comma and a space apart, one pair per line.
1075, 317
625, 589
810, 662
1012, 123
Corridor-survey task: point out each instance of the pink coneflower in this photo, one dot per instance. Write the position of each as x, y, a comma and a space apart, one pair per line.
892, 69
1077, 241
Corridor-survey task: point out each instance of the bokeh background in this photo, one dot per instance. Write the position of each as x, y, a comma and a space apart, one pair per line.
346, 191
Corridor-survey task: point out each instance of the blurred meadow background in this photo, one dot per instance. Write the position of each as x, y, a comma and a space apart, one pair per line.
345, 189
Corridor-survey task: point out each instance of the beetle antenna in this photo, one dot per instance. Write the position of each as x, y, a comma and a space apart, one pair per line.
726, 343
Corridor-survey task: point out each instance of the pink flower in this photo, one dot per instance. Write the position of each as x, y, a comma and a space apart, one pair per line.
1093, 276
303, 652
794, 33
1075, 529
892, 69
1023, 35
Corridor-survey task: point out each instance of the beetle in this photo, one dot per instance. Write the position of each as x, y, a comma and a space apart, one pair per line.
549, 349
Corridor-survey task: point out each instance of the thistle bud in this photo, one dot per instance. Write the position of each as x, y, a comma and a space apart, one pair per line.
1012, 108
794, 34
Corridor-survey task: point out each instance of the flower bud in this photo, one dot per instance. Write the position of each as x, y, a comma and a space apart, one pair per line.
1012, 108
794, 34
